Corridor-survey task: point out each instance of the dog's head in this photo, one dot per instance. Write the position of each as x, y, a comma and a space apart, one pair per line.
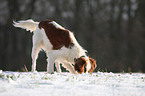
85, 64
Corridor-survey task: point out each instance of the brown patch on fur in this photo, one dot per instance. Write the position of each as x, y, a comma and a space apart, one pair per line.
58, 37
93, 65
80, 64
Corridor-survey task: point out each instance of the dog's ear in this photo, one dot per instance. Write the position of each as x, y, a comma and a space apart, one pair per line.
93, 65
80, 64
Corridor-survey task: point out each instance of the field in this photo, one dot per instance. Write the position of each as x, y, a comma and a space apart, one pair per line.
66, 84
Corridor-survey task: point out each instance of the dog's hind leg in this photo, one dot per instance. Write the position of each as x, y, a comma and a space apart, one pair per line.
34, 55
37, 42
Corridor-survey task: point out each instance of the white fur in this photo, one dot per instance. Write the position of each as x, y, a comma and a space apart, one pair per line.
64, 55
29, 25
56, 25
88, 66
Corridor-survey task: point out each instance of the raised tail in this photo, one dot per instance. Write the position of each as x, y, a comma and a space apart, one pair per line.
29, 25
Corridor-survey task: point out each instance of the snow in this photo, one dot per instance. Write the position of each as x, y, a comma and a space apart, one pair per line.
66, 84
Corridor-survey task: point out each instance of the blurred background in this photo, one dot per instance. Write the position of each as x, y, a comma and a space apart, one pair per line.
113, 31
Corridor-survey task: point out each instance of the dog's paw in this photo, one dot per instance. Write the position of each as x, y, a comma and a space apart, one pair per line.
34, 71
50, 72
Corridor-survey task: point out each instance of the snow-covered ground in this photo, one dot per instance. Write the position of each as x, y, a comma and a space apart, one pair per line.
66, 84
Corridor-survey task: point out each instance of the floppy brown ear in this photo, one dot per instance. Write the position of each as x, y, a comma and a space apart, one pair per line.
79, 65
93, 65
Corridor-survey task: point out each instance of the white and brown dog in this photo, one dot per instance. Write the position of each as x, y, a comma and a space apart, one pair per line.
60, 46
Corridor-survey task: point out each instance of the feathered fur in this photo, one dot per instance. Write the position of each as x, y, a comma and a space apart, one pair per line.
29, 25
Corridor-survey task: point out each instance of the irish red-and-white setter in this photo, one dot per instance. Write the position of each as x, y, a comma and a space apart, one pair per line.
60, 46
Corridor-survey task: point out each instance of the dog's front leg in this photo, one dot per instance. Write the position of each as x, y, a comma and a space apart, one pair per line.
69, 67
50, 63
57, 65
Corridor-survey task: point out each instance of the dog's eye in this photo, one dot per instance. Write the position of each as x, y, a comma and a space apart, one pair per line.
75, 59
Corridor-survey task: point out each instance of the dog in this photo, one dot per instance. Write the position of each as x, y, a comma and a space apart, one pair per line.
60, 46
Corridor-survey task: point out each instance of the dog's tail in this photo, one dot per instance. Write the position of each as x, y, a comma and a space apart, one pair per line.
29, 25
